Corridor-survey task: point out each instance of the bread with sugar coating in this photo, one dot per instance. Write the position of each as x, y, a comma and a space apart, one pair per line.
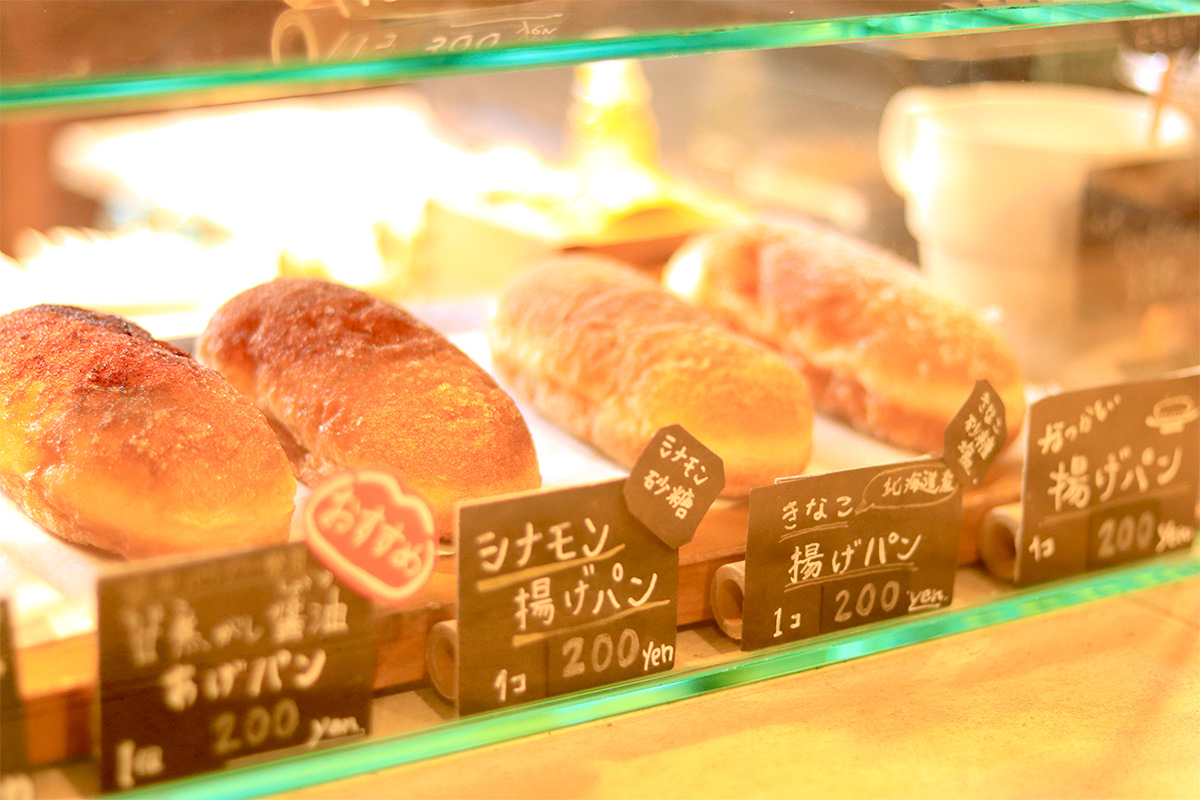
611, 357
348, 379
113, 439
880, 349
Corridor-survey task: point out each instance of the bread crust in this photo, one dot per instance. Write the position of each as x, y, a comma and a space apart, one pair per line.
350, 380
612, 358
113, 439
879, 348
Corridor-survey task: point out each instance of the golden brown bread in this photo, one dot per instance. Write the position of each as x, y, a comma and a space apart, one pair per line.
113, 439
879, 348
612, 358
349, 380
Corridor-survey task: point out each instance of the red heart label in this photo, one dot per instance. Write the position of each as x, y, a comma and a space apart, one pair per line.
374, 531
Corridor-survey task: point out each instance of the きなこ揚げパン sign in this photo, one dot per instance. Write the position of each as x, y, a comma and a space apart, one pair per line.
833, 551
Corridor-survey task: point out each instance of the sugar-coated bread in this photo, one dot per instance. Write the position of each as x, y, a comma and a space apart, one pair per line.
611, 357
350, 380
113, 439
879, 348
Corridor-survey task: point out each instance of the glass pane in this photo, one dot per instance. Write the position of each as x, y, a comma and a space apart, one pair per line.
733, 669
66, 51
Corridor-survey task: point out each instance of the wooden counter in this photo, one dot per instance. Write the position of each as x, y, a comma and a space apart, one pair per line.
1098, 700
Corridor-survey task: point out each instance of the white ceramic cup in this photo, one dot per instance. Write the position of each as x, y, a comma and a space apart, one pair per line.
993, 176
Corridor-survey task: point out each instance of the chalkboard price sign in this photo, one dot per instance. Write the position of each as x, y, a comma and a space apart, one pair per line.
559, 591
974, 437
204, 662
672, 485
14, 783
832, 551
1112, 475
12, 753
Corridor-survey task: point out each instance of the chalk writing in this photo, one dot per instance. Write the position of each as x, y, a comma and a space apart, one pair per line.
1058, 434
673, 483
829, 551
559, 591
1111, 475
975, 435
244, 661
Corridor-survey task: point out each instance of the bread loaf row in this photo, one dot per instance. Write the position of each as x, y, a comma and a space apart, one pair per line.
112, 439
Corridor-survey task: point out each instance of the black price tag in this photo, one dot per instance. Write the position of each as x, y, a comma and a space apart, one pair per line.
12, 720
828, 552
203, 663
1111, 475
974, 437
560, 591
15, 784
672, 485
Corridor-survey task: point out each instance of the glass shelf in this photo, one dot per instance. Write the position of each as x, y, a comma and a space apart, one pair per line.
115, 54
56, 53
989, 604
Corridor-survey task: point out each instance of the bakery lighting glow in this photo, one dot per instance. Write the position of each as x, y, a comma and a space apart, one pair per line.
347, 253
306, 183
362, 189
607, 83
621, 189
72, 622
147, 275
511, 174
34, 596
117, 272
684, 275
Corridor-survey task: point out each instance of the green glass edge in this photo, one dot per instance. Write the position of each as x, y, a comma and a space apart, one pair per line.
655, 45
456, 736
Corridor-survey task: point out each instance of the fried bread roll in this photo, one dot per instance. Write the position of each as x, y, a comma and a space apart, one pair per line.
349, 380
113, 439
612, 358
879, 349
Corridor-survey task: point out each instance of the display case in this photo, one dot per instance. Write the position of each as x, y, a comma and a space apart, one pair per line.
1035, 163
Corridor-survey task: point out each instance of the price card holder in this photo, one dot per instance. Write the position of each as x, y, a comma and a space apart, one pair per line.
1112, 475
832, 551
15, 784
559, 591
207, 662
